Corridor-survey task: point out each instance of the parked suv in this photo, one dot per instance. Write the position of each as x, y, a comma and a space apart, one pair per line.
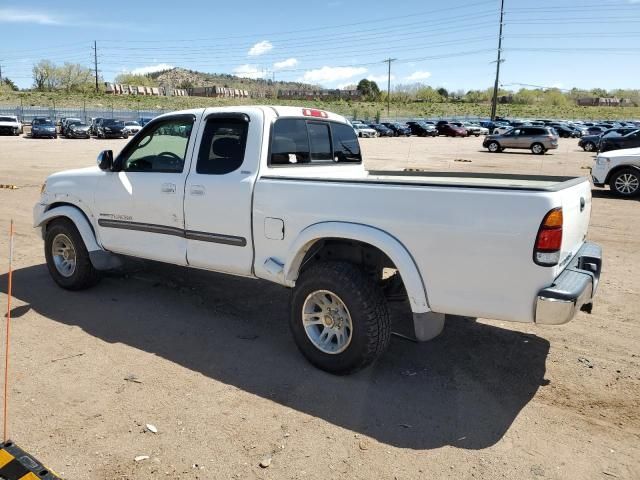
538, 139
620, 170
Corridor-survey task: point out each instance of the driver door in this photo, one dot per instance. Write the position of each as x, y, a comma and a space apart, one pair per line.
140, 205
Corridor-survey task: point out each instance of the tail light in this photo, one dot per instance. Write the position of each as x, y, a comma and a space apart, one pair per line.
546, 251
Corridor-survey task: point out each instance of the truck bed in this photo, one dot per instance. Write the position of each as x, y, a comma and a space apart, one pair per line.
471, 235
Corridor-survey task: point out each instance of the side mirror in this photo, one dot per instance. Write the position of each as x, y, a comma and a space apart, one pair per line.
105, 160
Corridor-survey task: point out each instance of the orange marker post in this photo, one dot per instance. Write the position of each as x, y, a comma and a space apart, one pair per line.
6, 348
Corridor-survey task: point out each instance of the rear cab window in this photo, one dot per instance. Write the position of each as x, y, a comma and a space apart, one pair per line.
297, 141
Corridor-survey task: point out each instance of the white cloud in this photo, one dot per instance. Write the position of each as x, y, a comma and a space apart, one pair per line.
289, 62
151, 68
332, 74
380, 78
417, 76
260, 48
248, 71
8, 15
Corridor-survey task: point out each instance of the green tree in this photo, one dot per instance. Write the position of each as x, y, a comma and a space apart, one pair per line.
45, 75
428, 94
443, 92
369, 89
73, 77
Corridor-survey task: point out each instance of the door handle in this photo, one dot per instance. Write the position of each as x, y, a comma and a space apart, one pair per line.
197, 190
168, 188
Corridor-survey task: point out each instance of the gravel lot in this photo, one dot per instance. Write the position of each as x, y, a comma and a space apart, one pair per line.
209, 361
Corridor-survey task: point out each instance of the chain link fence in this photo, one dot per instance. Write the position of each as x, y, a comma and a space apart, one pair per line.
27, 114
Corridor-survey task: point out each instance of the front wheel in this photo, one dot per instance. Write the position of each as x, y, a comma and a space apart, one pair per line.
537, 149
589, 147
339, 317
67, 256
625, 183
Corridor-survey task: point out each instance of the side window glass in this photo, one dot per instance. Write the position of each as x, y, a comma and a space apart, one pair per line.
222, 147
161, 149
290, 143
319, 142
345, 144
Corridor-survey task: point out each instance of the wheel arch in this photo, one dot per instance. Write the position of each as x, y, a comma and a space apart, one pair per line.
77, 216
617, 168
367, 235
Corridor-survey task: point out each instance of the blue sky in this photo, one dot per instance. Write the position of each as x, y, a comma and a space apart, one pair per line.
586, 44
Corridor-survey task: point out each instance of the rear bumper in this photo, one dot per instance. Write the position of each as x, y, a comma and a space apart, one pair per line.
573, 290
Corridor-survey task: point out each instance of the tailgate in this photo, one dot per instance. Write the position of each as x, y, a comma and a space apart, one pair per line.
576, 212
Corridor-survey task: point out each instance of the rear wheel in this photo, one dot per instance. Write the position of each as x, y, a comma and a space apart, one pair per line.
339, 317
494, 147
625, 183
67, 256
589, 147
537, 148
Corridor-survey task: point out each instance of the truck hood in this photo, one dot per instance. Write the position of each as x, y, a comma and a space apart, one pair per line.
9, 124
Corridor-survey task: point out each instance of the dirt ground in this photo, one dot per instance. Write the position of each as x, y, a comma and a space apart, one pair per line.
208, 360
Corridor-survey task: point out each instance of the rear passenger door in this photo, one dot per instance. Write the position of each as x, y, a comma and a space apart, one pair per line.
218, 193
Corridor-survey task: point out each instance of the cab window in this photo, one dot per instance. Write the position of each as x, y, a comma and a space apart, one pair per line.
299, 142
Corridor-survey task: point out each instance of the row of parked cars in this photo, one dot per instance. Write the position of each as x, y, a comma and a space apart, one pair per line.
71, 127
420, 128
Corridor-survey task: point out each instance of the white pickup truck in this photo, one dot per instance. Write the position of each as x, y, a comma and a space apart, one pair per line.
281, 194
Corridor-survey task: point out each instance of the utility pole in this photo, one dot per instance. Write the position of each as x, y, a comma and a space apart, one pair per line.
0, 73
388, 61
494, 100
95, 62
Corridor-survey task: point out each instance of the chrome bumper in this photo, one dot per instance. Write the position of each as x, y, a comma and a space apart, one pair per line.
573, 290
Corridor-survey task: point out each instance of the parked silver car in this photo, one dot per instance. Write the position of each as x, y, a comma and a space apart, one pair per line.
536, 139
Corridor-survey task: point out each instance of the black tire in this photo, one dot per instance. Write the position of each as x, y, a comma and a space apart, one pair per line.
494, 147
625, 183
366, 303
85, 275
589, 147
538, 149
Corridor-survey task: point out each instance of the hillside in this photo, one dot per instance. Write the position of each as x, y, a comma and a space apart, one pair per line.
183, 78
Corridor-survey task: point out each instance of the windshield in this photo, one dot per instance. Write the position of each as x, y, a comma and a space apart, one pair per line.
113, 123
42, 122
132, 124
7, 119
77, 124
